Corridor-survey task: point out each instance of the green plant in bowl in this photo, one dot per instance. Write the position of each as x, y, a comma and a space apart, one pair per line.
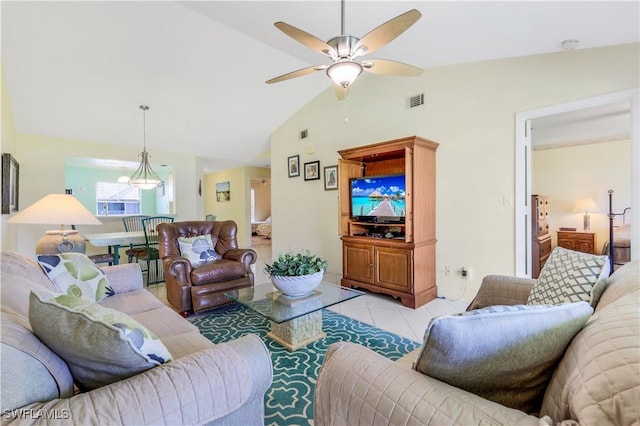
295, 265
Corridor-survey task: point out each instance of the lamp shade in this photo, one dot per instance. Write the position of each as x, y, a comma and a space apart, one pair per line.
56, 209
585, 205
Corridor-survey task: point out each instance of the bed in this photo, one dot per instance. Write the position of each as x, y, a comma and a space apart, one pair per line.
618, 248
262, 228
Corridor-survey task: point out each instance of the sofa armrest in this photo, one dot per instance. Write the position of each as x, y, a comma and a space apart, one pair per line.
246, 256
196, 389
125, 277
358, 386
502, 290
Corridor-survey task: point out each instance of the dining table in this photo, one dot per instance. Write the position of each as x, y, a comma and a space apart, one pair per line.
115, 240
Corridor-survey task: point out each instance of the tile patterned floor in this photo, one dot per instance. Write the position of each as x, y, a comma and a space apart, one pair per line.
381, 311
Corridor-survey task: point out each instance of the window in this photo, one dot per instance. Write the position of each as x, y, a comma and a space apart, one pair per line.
117, 199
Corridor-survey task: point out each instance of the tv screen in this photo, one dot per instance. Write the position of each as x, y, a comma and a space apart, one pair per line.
378, 197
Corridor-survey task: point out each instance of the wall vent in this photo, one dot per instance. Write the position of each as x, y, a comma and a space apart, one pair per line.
304, 133
417, 100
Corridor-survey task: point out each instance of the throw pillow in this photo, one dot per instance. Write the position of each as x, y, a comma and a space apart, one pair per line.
198, 249
570, 276
76, 275
506, 354
99, 344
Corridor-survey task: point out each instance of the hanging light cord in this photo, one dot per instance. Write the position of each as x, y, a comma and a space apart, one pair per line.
145, 177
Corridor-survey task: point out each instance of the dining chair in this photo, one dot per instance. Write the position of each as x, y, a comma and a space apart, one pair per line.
210, 218
151, 255
133, 224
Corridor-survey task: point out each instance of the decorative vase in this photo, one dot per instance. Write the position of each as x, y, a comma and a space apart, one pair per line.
297, 286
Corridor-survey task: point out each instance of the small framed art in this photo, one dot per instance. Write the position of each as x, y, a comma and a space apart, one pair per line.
293, 163
10, 180
330, 177
312, 170
223, 191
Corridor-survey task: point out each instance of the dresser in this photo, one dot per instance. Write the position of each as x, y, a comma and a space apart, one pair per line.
583, 241
540, 235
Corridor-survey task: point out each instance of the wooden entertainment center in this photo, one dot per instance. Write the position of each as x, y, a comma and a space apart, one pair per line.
393, 257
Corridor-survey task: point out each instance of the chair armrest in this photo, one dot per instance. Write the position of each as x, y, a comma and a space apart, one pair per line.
125, 277
196, 389
358, 386
502, 290
179, 269
246, 256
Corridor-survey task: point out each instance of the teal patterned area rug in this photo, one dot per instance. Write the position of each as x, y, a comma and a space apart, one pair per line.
289, 400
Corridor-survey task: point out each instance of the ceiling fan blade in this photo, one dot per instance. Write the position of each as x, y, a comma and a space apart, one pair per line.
341, 92
385, 33
311, 41
385, 66
297, 73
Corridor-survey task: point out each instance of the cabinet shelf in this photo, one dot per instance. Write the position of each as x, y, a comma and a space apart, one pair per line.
402, 266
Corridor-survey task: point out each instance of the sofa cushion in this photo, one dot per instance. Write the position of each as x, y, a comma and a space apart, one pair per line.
570, 276
222, 270
198, 249
597, 380
31, 372
506, 354
99, 344
76, 275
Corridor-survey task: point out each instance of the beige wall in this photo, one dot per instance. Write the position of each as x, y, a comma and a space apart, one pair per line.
262, 194
238, 208
568, 174
470, 110
8, 144
42, 162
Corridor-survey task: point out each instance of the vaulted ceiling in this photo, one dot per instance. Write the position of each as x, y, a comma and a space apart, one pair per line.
79, 70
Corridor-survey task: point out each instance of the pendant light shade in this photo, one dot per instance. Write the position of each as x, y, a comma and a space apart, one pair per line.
144, 177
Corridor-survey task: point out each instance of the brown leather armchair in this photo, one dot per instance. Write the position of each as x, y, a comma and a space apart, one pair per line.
200, 288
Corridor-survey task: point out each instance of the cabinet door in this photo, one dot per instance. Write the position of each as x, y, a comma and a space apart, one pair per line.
357, 262
566, 240
394, 268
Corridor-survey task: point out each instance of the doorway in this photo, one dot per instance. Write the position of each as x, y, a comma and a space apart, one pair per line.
523, 181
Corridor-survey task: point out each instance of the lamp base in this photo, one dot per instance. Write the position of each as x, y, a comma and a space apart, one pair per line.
62, 241
586, 222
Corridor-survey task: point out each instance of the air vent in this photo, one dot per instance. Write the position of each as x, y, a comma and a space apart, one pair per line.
417, 100
304, 133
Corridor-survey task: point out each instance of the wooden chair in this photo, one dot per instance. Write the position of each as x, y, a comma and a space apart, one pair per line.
150, 254
133, 223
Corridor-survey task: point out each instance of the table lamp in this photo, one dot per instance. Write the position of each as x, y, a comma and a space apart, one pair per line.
586, 205
58, 209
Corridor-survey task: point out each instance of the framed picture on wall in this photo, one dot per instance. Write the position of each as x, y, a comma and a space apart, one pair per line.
10, 180
223, 191
330, 178
312, 170
294, 165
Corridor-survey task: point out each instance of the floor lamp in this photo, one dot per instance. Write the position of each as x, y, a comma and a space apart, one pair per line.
58, 209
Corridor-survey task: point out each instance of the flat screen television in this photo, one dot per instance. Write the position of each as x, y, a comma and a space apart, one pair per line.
379, 199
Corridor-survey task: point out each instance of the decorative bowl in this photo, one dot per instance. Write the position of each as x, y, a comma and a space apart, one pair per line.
297, 286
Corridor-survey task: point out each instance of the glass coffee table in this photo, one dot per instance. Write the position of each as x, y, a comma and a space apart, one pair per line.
295, 321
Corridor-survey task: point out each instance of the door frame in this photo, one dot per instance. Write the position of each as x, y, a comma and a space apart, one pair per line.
523, 170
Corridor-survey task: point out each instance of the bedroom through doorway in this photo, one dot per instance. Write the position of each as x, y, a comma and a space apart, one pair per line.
260, 211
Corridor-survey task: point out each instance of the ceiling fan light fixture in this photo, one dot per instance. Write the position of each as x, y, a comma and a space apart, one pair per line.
344, 73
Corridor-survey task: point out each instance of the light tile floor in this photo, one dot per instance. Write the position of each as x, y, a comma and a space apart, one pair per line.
379, 310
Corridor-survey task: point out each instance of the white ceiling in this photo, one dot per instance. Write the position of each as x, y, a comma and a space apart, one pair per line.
79, 70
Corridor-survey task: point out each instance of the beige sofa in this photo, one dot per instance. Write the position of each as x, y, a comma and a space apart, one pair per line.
203, 384
597, 381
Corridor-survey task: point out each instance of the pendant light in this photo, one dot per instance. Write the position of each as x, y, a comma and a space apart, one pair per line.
145, 177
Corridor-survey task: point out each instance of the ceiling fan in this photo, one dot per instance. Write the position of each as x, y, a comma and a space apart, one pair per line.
345, 49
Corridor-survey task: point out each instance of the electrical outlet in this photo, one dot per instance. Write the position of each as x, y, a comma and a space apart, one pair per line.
465, 272
447, 270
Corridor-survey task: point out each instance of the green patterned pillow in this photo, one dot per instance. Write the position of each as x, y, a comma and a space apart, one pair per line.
570, 276
100, 345
76, 275
198, 249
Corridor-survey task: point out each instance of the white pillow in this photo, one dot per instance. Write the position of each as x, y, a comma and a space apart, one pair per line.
76, 275
198, 249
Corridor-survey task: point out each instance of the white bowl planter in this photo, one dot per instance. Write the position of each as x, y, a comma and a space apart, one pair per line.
297, 286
